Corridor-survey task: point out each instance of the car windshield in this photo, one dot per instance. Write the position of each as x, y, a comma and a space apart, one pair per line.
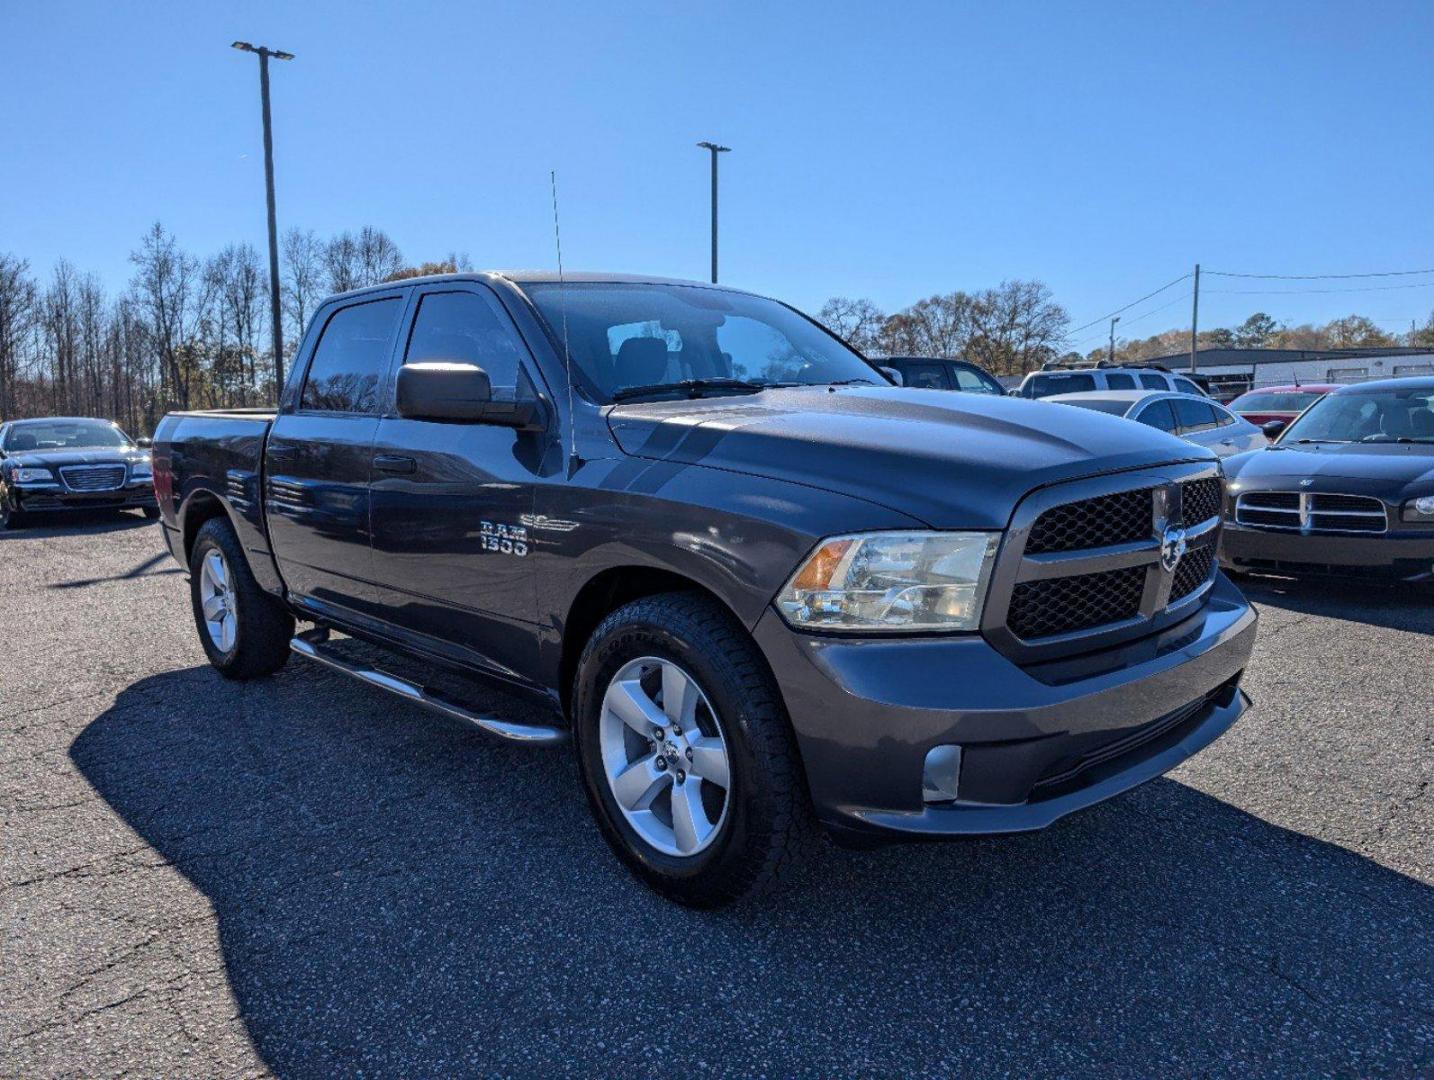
65, 435
1263, 402
1105, 405
1374, 415
636, 340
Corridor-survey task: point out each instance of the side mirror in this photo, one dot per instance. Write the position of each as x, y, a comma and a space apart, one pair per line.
459, 393
144, 443
894, 375
1014, 391
1272, 428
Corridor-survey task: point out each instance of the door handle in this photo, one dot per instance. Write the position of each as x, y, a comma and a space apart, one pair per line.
280, 451
394, 463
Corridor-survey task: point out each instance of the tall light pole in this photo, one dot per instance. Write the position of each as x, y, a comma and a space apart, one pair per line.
1111, 355
715, 150
264, 52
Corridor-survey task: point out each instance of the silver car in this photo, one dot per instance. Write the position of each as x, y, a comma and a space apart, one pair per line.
1192, 417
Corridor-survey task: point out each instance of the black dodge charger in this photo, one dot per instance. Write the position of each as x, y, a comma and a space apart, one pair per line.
1346, 491
71, 463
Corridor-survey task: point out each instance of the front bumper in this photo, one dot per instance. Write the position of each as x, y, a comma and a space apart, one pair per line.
51, 498
1392, 556
1038, 742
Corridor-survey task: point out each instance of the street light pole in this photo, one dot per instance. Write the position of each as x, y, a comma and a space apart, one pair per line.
1111, 355
715, 150
264, 52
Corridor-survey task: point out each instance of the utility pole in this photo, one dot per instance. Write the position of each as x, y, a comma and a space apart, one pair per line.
1195, 321
714, 149
1110, 356
264, 52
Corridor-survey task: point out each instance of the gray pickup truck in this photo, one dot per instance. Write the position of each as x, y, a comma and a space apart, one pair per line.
758, 586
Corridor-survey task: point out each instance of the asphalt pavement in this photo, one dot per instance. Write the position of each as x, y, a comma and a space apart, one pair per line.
302, 877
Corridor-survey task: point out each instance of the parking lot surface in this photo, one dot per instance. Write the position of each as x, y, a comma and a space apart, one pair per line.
302, 877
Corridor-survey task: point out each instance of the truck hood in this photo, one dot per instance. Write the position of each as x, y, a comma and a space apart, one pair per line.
1393, 466
950, 460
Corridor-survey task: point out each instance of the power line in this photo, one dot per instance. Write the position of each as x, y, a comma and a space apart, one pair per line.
1308, 292
1119, 310
1319, 277
1136, 318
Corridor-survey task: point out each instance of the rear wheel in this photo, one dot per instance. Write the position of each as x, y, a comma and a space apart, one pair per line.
245, 631
686, 754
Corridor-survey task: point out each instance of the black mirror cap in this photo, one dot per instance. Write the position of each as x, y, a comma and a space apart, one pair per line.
459, 393
1272, 428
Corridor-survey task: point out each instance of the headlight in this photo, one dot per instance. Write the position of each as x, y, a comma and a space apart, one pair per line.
1420, 509
31, 476
892, 581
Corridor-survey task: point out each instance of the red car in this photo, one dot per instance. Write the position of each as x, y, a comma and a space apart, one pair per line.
1281, 403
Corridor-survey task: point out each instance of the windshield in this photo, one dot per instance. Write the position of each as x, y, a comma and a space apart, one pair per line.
1384, 415
1263, 402
65, 435
633, 340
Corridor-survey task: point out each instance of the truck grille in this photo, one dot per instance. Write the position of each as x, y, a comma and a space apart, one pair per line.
92, 477
1304, 511
1117, 563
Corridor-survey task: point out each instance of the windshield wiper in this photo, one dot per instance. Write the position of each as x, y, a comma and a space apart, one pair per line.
688, 387
855, 382
1323, 440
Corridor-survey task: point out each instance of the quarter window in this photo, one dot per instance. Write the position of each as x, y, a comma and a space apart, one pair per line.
352, 358
464, 328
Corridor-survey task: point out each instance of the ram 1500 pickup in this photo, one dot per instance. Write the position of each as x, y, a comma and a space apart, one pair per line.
758, 586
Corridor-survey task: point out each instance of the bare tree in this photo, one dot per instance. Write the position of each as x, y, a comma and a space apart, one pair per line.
353, 262
858, 322
302, 284
1015, 327
17, 318
171, 295
936, 326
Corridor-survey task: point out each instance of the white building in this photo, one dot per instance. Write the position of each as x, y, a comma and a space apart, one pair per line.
1233, 371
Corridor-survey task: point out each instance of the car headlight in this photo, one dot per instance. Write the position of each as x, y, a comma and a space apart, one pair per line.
31, 476
892, 582
1420, 509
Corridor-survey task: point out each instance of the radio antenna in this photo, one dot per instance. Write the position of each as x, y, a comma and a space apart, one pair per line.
573, 459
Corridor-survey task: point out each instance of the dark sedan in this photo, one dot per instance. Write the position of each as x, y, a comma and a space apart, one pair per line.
1347, 491
71, 463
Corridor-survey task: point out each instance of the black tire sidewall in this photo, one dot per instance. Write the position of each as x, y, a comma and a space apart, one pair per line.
616, 643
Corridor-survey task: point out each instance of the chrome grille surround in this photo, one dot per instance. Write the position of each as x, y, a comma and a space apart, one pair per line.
1110, 592
1311, 512
93, 477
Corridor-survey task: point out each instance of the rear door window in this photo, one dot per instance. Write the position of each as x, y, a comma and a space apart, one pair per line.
1158, 414
1149, 381
929, 376
1194, 415
1118, 380
351, 358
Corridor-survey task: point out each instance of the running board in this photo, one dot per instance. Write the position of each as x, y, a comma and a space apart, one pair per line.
310, 644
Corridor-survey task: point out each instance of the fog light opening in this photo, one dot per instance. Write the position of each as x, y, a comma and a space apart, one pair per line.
941, 777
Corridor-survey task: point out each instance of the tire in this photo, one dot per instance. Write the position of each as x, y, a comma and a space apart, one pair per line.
763, 818
10, 519
151, 513
257, 642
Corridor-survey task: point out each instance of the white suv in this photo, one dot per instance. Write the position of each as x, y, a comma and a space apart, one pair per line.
1045, 383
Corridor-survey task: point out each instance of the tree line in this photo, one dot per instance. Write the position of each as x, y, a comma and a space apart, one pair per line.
187, 332
191, 332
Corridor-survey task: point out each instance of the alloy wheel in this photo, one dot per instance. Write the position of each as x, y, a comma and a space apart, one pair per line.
216, 601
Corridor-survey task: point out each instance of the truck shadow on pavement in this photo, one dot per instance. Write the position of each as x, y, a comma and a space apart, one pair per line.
399, 896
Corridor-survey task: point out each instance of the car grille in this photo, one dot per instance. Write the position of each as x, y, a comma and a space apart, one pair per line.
1303, 511
1093, 566
1062, 605
93, 477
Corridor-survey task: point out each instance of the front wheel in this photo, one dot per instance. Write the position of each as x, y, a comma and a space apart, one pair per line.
245, 631
151, 513
686, 753
9, 519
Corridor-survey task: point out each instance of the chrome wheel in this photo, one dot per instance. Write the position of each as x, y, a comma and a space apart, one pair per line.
217, 601
664, 756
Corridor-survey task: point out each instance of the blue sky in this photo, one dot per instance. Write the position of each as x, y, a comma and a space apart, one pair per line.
880, 150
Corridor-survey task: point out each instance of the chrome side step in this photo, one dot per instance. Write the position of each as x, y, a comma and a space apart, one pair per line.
310, 644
